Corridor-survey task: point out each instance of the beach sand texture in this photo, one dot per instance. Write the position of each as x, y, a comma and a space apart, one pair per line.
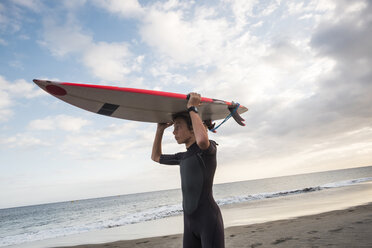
351, 227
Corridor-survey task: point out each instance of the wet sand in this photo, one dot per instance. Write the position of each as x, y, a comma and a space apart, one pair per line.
351, 227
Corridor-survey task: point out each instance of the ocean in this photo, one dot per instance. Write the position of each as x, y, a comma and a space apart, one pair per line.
39, 222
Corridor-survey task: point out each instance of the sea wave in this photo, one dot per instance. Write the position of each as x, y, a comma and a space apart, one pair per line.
260, 196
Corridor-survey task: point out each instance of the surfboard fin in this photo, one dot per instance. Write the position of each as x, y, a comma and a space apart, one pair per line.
210, 125
233, 108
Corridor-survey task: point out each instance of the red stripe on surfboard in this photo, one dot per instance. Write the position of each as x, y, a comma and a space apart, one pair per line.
133, 90
140, 91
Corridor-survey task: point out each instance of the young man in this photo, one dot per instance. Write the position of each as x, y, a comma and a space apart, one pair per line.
203, 225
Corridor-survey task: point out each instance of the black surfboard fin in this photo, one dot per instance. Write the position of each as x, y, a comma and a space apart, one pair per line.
234, 113
210, 125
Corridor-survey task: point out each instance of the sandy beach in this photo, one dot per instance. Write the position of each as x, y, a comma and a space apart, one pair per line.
341, 228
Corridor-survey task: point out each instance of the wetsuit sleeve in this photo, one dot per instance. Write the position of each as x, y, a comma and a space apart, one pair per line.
212, 149
171, 159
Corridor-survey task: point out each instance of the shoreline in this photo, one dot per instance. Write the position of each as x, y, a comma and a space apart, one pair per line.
168, 231
339, 228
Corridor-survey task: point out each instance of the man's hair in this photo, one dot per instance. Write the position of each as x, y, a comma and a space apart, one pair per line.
185, 116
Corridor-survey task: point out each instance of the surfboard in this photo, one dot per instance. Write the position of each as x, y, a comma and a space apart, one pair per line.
136, 104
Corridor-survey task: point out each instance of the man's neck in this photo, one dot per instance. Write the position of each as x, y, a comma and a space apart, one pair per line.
189, 142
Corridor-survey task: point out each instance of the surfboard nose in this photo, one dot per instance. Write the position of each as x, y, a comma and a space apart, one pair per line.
51, 88
38, 82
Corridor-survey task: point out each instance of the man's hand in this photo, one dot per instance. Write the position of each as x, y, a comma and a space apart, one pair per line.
156, 147
201, 133
163, 126
194, 100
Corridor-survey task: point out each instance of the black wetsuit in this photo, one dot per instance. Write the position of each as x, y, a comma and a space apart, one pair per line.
203, 225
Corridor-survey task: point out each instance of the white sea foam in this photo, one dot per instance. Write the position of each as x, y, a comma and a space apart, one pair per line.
346, 182
146, 215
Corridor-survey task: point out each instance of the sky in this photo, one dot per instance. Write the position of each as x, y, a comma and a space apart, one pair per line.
303, 68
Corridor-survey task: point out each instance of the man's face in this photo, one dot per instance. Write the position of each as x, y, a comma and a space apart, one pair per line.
181, 132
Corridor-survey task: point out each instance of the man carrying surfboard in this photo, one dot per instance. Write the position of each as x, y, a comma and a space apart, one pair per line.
202, 217
203, 224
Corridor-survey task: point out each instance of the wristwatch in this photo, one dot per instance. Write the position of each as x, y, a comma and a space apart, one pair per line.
193, 108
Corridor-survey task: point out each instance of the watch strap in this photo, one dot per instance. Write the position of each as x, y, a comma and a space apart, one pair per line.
193, 108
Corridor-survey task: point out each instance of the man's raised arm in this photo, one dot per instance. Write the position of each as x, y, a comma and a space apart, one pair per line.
200, 131
156, 147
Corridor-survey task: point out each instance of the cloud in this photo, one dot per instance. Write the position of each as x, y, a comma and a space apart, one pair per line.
346, 37
125, 9
347, 92
62, 122
29, 139
174, 33
10, 91
72, 5
23, 140
34, 5
22, 88
9, 19
62, 40
13, 14
107, 61
5, 103
3, 42
114, 142
197, 41
213, 53
243, 11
